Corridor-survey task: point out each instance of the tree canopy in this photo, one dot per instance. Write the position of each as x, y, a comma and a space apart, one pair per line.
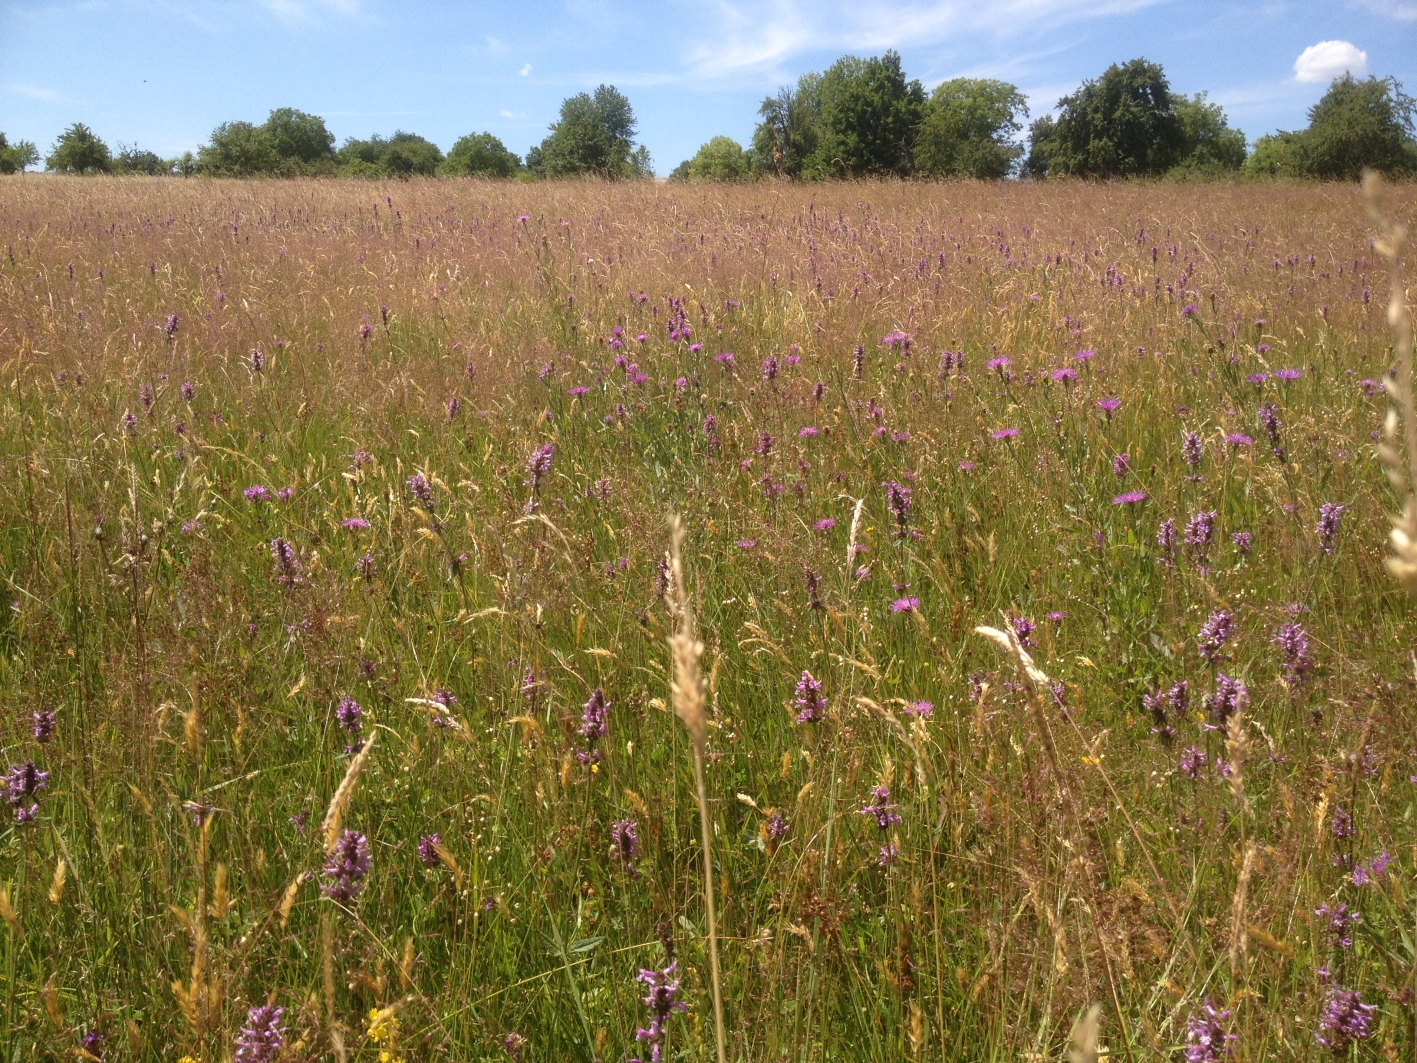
594, 136
1356, 125
78, 150
790, 128
721, 159
868, 114
402, 155
17, 157
968, 129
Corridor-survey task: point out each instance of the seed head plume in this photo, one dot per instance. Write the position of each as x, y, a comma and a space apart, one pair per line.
687, 687
1400, 468
334, 815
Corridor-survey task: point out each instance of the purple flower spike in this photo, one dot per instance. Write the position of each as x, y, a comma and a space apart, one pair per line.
1345, 1019
428, 850
880, 808
625, 842
1207, 1040
811, 705
262, 1037
348, 865
1330, 517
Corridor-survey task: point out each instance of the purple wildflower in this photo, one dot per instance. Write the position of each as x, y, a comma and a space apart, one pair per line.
421, 490
1200, 533
354, 523
880, 808
807, 432
898, 500
350, 716
1192, 762
1288, 374
454, 407
1121, 466
1229, 698
1340, 923
1330, 517
348, 865
1243, 541
1166, 541
1206, 1037
365, 567
43, 728
258, 360
428, 850
625, 841
825, 524
262, 1037
1192, 449
514, 1044
813, 582
888, 855
1129, 498
808, 699
777, 825
169, 327
287, 564
1064, 374
1345, 1019
1239, 439
23, 783
188, 390
920, 709
1085, 355
662, 1001
1341, 824
1023, 628
907, 604
1004, 433
770, 366
1293, 643
593, 727
1108, 405
1270, 422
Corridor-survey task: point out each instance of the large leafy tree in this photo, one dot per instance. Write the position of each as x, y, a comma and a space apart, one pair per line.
1208, 144
79, 150
1356, 125
238, 149
133, 159
17, 157
592, 137
721, 159
869, 116
1123, 124
300, 140
790, 128
968, 129
480, 155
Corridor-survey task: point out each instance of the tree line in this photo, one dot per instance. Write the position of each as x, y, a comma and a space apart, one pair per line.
858, 118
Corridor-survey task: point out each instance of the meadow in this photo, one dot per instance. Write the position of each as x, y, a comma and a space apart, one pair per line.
334, 667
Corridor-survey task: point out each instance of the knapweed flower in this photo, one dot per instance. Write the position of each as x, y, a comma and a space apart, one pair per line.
262, 1036
1109, 405
1129, 498
746, 544
898, 501
907, 604
23, 784
825, 524
43, 727
1288, 374
1257, 378
188, 390
625, 841
1085, 355
350, 716
807, 432
593, 726
348, 865
1065, 374
1001, 363
1345, 1019
920, 709
1296, 660
662, 1001
1004, 433
1206, 1037
1330, 517
880, 808
428, 850
1239, 439
810, 704
1190, 310
354, 523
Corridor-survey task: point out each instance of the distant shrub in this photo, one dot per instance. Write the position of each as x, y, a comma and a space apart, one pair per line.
17, 157
480, 155
968, 129
721, 159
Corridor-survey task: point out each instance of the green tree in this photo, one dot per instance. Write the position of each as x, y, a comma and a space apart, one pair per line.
78, 150
17, 157
592, 136
1208, 144
300, 140
1277, 155
132, 159
721, 159
480, 155
1124, 124
1357, 125
790, 129
869, 119
968, 129
410, 155
238, 149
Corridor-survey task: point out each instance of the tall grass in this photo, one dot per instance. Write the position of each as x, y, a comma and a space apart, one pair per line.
1066, 835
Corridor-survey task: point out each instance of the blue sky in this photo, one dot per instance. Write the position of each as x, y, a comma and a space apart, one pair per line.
163, 73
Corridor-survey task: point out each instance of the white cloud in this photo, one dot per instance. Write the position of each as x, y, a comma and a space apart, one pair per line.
524, 71
757, 35
1330, 59
512, 114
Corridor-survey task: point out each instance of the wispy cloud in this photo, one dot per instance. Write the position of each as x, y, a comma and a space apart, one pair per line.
512, 114
310, 11
756, 37
525, 70
1405, 10
35, 92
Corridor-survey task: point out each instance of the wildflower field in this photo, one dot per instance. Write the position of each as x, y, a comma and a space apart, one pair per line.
335, 693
